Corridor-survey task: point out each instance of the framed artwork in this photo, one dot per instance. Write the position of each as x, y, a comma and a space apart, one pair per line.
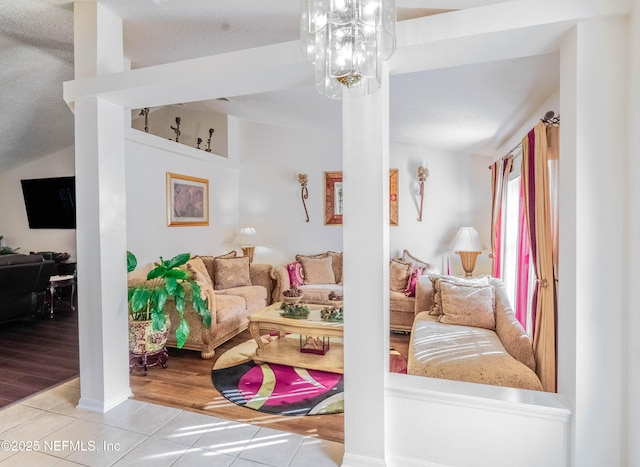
187, 200
333, 197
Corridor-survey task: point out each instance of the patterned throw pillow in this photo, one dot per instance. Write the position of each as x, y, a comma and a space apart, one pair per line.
295, 273
410, 290
231, 272
399, 273
317, 270
436, 310
209, 262
467, 305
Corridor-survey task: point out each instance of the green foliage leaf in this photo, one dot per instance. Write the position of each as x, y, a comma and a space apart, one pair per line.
182, 333
171, 284
132, 262
140, 298
158, 320
158, 271
178, 260
160, 296
179, 274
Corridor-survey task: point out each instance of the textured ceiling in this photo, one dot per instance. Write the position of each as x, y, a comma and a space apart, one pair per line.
471, 108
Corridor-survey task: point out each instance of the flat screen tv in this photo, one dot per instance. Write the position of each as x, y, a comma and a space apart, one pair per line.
50, 202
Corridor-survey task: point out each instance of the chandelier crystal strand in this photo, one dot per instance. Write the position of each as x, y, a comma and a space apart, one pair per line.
347, 40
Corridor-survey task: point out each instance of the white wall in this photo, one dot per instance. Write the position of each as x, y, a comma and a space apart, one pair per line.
148, 159
457, 193
270, 159
14, 226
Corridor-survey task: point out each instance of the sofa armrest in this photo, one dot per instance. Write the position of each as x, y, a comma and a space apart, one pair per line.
282, 283
424, 294
261, 275
511, 333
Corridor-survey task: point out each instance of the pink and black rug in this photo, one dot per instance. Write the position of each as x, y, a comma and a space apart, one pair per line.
281, 389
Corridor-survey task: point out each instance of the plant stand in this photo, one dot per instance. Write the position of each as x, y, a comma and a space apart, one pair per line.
147, 360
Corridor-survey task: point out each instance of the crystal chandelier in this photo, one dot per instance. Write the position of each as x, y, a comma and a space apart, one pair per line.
347, 40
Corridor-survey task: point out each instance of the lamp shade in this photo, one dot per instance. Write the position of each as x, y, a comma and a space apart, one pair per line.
246, 237
467, 239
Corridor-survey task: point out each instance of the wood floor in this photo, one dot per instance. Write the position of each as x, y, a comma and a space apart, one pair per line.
38, 353
186, 384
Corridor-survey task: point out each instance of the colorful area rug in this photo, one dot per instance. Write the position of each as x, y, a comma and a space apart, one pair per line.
282, 389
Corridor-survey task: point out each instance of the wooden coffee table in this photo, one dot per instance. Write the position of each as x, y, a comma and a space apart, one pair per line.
286, 350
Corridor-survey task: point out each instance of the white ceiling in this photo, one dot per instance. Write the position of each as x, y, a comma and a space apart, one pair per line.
474, 108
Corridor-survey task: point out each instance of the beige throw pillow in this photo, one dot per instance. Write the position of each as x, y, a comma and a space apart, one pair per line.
317, 270
436, 279
231, 272
467, 305
399, 273
196, 265
209, 262
336, 265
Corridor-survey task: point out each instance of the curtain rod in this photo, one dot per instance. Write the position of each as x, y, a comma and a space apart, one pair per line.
550, 118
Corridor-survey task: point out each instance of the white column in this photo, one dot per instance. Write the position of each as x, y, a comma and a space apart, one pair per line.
593, 154
366, 274
100, 216
633, 234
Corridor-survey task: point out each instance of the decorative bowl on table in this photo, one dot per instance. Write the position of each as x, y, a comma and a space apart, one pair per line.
291, 300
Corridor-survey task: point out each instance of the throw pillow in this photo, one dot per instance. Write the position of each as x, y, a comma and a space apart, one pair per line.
317, 270
415, 262
295, 273
231, 272
410, 290
195, 265
399, 273
436, 279
336, 264
467, 305
209, 262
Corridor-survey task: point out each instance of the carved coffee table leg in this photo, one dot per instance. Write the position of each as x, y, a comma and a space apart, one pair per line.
254, 329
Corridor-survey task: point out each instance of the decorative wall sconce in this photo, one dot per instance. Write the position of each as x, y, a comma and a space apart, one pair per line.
145, 113
211, 130
423, 174
304, 192
176, 129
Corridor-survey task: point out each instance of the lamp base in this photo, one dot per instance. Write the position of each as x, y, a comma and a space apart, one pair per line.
248, 251
468, 259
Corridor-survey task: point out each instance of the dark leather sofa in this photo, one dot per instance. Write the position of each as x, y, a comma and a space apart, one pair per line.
24, 281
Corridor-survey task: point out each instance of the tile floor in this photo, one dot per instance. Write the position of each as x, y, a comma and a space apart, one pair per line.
47, 429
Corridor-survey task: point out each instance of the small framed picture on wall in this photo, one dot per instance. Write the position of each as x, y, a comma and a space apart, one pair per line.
187, 200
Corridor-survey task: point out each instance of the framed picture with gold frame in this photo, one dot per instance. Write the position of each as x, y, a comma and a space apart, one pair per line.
333, 197
187, 200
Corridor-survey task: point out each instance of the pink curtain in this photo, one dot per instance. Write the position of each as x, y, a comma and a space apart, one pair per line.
538, 147
499, 177
524, 262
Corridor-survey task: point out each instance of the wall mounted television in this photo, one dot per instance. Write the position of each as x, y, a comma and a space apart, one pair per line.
50, 202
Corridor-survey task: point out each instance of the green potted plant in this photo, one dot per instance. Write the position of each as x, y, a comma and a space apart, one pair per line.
147, 299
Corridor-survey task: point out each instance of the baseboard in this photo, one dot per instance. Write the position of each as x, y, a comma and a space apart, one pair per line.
398, 461
353, 460
93, 405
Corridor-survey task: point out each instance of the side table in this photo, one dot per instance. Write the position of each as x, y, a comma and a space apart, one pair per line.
61, 281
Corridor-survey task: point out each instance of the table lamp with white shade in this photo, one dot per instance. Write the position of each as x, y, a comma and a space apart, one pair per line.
468, 245
246, 238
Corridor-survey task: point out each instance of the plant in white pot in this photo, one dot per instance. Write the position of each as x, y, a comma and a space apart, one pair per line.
147, 299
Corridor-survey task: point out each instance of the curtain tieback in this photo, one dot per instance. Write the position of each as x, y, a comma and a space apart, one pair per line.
542, 282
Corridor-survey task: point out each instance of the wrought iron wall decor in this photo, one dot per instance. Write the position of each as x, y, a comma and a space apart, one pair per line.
304, 192
176, 129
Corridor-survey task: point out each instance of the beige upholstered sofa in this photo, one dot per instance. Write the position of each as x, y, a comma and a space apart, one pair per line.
233, 288
468, 332
404, 303
319, 275
316, 275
